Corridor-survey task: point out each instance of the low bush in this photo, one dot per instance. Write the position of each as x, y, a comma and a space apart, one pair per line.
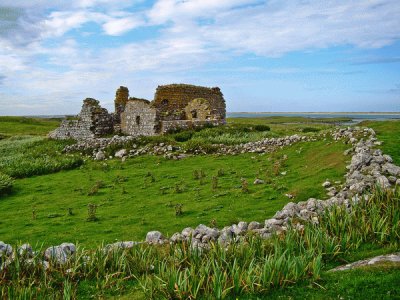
261, 127
6, 183
310, 129
200, 145
183, 136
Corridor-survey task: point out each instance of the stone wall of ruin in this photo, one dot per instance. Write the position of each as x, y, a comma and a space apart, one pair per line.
170, 126
139, 118
171, 100
92, 121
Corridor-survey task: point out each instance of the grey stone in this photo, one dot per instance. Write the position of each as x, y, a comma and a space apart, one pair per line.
254, 225
100, 155
383, 182
258, 181
176, 237
392, 258
121, 153
57, 254
5, 249
388, 158
187, 232
154, 237
392, 179
25, 250
326, 184
273, 222
391, 169
205, 230
120, 246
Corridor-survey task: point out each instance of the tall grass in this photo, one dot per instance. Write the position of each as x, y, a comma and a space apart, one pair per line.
181, 271
25, 156
6, 183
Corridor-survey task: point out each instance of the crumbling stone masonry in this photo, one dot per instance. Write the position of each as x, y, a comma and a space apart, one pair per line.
175, 106
93, 121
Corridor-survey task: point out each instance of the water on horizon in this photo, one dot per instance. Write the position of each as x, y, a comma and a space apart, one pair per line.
355, 117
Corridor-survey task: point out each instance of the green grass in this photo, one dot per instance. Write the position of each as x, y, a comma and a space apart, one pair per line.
389, 133
11, 126
131, 204
375, 282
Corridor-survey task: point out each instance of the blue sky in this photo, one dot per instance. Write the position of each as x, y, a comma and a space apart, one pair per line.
264, 55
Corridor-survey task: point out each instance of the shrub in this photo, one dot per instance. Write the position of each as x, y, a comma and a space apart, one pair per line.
183, 136
310, 129
194, 145
261, 127
6, 183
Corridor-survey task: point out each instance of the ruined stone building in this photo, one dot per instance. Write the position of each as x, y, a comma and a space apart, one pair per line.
174, 106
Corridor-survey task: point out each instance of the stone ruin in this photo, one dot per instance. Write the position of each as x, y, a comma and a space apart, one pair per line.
175, 106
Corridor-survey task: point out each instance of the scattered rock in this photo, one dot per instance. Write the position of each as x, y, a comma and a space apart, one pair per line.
5, 249
60, 254
326, 184
154, 237
258, 181
100, 155
120, 245
393, 258
25, 251
121, 153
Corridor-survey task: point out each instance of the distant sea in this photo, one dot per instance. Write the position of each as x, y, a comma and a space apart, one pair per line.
356, 117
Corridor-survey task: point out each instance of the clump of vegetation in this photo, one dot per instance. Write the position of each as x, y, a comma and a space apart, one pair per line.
178, 209
244, 185
199, 145
214, 183
261, 127
183, 136
310, 129
95, 188
92, 208
6, 183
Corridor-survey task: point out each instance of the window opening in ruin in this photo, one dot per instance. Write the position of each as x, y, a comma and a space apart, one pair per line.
164, 102
194, 114
137, 120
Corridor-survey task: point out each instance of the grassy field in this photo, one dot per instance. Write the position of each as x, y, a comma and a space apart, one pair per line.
140, 195
11, 126
48, 204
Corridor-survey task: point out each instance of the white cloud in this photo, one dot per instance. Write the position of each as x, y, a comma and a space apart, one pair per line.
189, 34
120, 26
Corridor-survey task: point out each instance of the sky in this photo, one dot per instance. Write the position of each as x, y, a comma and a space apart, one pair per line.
271, 56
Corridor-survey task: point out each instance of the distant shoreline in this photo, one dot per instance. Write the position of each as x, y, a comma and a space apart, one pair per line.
317, 113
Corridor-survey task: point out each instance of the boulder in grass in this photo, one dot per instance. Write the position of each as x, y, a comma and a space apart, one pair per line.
25, 251
61, 253
5, 249
121, 153
154, 237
